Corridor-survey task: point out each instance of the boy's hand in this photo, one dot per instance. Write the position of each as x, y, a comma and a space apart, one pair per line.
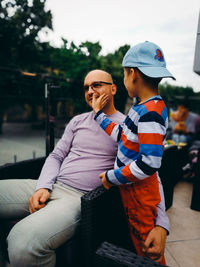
154, 245
105, 183
99, 101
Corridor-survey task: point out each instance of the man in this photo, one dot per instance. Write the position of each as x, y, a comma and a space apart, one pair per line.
51, 205
183, 123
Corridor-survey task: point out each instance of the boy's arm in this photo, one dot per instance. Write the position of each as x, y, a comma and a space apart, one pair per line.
149, 151
53, 162
111, 128
162, 218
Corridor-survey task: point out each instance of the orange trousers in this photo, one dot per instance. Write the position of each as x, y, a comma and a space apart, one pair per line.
140, 202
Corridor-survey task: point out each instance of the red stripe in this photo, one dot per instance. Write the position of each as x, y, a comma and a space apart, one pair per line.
155, 105
129, 144
109, 128
150, 138
126, 172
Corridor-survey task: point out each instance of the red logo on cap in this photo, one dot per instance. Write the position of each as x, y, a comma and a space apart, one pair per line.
159, 55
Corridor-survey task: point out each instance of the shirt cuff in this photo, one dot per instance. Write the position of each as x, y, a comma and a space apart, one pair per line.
107, 178
97, 114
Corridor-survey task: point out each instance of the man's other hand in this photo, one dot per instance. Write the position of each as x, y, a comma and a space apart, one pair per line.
105, 183
154, 245
38, 199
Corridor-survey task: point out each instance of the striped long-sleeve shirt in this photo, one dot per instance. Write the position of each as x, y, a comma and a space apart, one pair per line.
140, 141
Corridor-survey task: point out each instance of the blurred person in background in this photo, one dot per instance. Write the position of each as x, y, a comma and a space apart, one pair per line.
183, 124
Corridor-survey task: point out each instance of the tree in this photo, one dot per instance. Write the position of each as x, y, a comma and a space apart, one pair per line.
20, 23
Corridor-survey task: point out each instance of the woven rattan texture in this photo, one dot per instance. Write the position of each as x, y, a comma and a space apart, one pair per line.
109, 255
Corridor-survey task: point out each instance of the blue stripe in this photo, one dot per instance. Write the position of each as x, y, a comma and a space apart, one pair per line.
119, 163
140, 109
105, 123
131, 154
145, 168
151, 150
152, 116
120, 177
130, 124
164, 114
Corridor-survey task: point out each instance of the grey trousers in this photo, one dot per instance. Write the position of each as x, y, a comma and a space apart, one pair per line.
33, 240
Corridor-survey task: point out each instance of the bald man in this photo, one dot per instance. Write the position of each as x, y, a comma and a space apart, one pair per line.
50, 206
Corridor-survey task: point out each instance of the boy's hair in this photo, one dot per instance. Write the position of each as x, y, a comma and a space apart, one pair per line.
152, 82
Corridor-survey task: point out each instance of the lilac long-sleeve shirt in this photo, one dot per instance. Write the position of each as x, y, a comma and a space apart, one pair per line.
83, 152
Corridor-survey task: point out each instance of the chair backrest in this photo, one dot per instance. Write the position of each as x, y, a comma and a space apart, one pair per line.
22, 170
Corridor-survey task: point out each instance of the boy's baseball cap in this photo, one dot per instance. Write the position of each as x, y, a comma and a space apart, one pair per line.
149, 59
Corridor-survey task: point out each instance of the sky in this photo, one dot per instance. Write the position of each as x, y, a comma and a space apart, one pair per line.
170, 24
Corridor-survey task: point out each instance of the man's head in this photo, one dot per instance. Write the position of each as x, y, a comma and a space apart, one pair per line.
99, 82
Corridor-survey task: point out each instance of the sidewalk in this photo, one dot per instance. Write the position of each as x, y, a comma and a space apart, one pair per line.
183, 243
20, 140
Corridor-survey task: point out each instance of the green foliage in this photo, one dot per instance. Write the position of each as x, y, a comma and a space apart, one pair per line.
21, 22
174, 95
170, 91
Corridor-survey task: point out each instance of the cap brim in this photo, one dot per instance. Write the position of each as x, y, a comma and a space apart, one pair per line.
156, 72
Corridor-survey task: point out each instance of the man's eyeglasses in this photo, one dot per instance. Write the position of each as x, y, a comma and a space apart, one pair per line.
95, 85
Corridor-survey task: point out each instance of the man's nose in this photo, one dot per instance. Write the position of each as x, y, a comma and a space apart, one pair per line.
91, 90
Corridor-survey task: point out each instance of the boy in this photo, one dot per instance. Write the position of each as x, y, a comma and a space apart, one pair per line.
140, 140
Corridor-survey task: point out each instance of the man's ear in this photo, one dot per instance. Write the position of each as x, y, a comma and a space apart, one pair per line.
113, 89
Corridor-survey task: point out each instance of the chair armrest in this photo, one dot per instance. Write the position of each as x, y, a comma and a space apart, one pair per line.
92, 205
109, 255
23, 169
102, 216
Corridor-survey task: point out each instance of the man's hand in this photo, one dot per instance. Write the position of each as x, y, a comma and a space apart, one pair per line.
105, 183
154, 245
38, 199
99, 101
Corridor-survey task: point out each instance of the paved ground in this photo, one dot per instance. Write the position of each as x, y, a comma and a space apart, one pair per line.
183, 243
20, 141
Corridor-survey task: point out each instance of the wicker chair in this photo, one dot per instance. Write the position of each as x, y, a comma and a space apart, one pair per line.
105, 239
102, 219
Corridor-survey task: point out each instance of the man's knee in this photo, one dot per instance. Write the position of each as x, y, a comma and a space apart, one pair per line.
24, 247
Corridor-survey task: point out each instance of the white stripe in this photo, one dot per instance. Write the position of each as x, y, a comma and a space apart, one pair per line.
115, 165
134, 116
130, 135
115, 132
112, 177
137, 172
152, 161
151, 127
100, 118
123, 158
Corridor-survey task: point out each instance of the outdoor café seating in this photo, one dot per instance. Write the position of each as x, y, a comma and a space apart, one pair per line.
98, 240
